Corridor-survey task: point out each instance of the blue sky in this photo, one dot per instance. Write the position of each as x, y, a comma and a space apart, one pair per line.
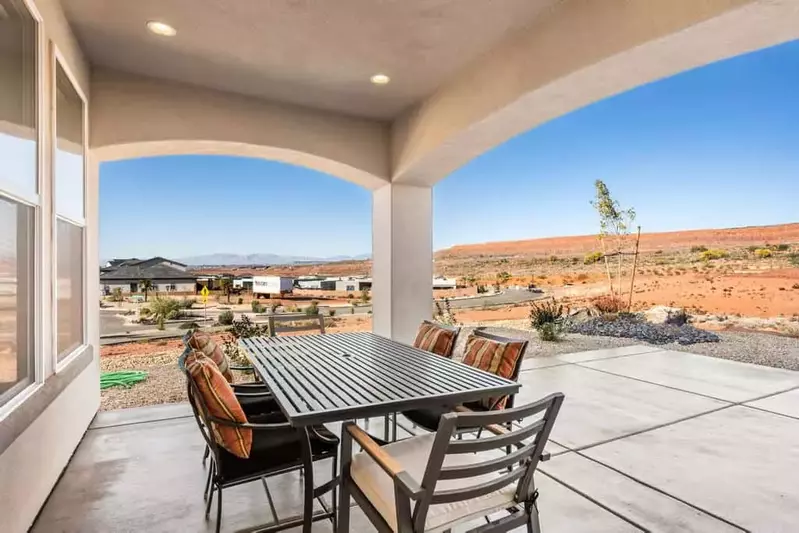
714, 147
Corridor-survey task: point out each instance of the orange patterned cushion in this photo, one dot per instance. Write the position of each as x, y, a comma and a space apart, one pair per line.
221, 402
499, 358
433, 338
203, 342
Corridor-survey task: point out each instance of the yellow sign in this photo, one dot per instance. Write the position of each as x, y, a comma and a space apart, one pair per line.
204, 294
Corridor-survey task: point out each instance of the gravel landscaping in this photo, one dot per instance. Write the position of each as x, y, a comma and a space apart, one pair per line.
765, 349
636, 327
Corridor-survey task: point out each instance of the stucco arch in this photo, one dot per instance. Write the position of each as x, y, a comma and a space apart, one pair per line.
133, 116
579, 53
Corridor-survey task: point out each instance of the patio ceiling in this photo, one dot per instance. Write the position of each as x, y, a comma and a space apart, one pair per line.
316, 53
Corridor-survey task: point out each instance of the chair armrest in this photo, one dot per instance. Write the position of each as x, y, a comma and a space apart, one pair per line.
249, 385
389, 464
248, 425
231, 367
265, 395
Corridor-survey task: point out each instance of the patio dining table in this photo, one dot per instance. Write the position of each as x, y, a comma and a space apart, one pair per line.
319, 379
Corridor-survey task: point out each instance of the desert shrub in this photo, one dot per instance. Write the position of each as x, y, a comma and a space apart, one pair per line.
160, 323
292, 309
240, 300
189, 325
165, 309
608, 304
549, 319
365, 296
795, 286
273, 305
481, 289
763, 253
658, 252
225, 318
710, 255
144, 312
782, 247
331, 312
698, 249
553, 258
444, 314
256, 306
752, 248
794, 259
350, 296
245, 328
582, 277
187, 303
313, 309
575, 260
592, 258
677, 318
116, 295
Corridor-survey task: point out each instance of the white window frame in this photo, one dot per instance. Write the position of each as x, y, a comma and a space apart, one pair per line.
56, 59
12, 192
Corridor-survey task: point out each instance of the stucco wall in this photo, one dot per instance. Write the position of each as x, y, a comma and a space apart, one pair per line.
577, 54
134, 116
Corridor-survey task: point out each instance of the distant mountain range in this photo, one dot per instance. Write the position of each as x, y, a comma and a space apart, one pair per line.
263, 259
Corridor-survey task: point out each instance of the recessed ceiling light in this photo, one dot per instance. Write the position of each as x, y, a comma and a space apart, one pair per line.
161, 28
380, 79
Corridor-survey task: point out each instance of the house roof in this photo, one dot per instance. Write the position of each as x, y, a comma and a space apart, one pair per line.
152, 272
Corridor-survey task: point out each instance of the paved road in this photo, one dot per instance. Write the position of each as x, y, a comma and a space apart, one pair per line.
510, 296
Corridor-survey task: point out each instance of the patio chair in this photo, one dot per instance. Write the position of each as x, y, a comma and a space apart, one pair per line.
307, 325
431, 337
277, 448
434, 482
429, 418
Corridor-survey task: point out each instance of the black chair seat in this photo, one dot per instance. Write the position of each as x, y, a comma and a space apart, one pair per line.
274, 450
254, 406
429, 418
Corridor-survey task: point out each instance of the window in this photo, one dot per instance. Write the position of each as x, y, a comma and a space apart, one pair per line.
19, 198
69, 184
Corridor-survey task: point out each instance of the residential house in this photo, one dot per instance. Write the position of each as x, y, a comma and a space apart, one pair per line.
164, 274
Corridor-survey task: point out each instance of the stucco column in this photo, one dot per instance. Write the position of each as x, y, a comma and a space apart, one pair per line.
402, 251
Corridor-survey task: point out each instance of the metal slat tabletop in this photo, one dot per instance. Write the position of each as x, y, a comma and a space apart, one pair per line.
343, 376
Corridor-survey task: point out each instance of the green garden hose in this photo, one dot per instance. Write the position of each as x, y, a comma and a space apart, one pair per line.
121, 379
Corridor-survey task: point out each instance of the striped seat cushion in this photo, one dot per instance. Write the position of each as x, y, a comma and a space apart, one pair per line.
433, 338
499, 358
221, 402
203, 342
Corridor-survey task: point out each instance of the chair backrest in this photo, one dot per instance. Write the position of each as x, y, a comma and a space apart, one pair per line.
295, 323
516, 369
527, 442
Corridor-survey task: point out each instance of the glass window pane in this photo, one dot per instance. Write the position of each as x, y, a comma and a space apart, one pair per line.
69, 288
17, 98
16, 297
69, 149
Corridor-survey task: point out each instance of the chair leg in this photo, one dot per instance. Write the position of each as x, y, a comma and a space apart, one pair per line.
533, 523
208, 483
334, 495
219, 511
386, 422
210, 500
206, 453
394, 428
343, 518
307, 463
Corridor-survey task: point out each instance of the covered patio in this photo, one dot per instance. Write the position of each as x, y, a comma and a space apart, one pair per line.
392, 96
647, 440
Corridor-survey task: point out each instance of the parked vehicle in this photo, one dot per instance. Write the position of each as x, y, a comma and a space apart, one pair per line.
271, 286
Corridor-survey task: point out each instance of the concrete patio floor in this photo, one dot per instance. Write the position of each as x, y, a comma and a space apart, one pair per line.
647, 440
